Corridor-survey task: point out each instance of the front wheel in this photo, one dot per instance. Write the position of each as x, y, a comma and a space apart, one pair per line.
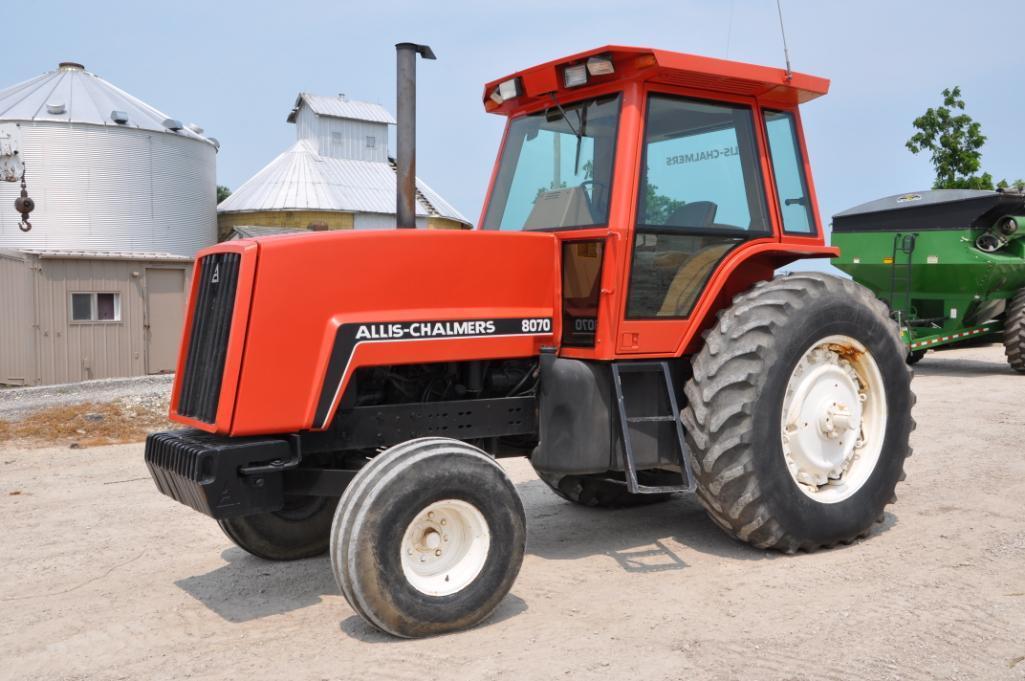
428, 538
301, 529
799, 414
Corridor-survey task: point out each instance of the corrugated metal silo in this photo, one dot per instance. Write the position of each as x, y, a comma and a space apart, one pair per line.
106, 170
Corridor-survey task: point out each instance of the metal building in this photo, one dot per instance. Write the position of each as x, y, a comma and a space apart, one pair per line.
337, 175
125, 196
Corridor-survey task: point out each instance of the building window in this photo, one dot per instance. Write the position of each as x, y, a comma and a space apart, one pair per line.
336, 137
95, 307
371, 141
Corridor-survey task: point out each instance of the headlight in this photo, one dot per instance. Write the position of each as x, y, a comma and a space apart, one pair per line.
1009, 226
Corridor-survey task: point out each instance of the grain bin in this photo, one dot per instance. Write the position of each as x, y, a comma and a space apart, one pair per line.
107, 171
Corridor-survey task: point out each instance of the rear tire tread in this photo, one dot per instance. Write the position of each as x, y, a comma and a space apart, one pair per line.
1014, 332
718, 418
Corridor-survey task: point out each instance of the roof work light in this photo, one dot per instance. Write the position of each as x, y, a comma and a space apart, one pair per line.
506, 90
578, 74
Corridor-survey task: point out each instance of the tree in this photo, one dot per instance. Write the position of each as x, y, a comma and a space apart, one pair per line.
222, 193
954, 140
658, 207
1017, 185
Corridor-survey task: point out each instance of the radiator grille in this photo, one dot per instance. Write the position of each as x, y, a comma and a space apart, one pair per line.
208, 339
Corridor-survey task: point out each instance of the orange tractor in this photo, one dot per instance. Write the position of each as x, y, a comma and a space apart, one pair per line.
614, 318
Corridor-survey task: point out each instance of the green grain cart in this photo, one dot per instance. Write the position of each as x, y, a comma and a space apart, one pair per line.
949, 262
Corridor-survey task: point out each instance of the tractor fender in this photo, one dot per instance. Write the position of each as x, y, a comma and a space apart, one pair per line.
741, 269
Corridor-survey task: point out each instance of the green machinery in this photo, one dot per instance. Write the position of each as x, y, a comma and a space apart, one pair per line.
950, 263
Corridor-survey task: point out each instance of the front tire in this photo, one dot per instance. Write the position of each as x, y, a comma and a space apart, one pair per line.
302, 529
799, 414
1014, 332
428, 538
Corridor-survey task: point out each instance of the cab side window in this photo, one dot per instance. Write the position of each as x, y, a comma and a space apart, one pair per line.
788, 169
701, 195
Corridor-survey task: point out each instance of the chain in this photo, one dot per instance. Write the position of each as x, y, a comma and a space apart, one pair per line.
24, 205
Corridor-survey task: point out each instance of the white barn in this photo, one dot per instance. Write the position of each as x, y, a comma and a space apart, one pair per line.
337, 175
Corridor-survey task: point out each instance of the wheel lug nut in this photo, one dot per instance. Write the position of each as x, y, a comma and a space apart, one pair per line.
430, 514
437, 552
443, 521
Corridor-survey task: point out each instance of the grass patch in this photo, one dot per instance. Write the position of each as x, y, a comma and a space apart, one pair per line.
89, 424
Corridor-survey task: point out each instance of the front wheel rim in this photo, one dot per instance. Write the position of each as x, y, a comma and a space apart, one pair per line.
445, 546
833, 419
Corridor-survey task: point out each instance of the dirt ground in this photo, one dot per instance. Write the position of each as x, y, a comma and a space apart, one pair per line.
101, 577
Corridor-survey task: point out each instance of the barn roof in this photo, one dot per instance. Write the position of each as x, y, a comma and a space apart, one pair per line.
341, 106
301, 179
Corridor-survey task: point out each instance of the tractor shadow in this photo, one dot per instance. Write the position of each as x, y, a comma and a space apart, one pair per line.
642, 540
248, 588
646, 539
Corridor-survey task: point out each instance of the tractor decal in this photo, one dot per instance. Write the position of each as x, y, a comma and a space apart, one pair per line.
349, 336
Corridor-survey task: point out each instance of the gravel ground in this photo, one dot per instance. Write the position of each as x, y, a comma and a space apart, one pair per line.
101, 577
148, 391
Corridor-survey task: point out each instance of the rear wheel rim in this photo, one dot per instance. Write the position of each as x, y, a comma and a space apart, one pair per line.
833, 419
444, 547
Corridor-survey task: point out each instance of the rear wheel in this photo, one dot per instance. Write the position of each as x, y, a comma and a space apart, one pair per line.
1014, 332
598, 491
428, 538
799, 414
301, 529
915, 356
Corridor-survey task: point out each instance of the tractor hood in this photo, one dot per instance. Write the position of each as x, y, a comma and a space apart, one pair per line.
311, 308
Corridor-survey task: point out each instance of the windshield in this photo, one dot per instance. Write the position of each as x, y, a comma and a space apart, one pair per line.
556, 168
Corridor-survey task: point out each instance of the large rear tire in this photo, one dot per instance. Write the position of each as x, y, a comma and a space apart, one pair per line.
799, 414
428, 538
302, 529
1014, 332
598, 491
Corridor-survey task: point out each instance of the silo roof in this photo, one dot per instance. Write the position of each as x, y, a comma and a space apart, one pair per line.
341, 107
301, 179
71, 94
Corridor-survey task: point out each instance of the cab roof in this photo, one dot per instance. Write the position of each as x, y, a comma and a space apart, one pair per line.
768, 84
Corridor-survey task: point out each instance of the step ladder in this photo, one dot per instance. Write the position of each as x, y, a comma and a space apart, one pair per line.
900, 275
660, 369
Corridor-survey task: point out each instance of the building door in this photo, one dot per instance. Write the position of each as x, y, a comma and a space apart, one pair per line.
165, 314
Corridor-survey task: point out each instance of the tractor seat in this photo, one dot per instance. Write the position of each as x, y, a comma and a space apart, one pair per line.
693, 214
690, 280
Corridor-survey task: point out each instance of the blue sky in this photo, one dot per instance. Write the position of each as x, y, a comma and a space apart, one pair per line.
236, 67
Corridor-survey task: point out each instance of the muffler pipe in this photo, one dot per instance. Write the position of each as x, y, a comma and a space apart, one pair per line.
405, 154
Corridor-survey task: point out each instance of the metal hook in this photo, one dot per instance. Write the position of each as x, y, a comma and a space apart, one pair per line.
24, 205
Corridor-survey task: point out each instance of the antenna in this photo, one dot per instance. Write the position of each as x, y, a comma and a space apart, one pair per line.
786, 53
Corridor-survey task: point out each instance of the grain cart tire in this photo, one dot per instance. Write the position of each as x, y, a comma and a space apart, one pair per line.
428, 538
301, 529
799, 414
595, 491
915, 356
1014, 332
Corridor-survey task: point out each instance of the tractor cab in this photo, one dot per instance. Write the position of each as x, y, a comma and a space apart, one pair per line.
655, 170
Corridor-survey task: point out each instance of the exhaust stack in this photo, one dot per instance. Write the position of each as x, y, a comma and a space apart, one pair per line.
405, 154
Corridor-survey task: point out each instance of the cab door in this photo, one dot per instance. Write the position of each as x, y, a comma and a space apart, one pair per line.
701, 196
